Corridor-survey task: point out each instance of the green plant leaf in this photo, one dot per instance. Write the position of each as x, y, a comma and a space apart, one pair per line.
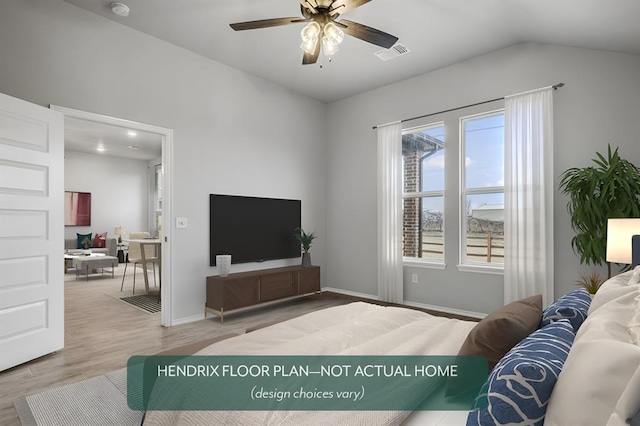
305, 239
591, 282
612, 189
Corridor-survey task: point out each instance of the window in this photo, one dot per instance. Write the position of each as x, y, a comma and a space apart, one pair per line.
423, 194
482, 189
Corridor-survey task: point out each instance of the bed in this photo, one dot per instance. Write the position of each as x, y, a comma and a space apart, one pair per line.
575, 362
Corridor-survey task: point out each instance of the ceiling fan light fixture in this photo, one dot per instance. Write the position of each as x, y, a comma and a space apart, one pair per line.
322, 32
309, 45
310, 34
333, 33
328, 46
310, 31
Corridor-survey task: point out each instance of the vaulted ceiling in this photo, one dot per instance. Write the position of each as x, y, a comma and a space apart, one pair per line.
437, 33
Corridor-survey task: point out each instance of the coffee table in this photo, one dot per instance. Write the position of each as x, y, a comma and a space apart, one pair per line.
92, 261
69, 255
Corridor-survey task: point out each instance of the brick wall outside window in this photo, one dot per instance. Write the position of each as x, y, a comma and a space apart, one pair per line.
411, 210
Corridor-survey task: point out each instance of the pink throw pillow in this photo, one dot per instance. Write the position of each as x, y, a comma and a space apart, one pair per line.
100, 240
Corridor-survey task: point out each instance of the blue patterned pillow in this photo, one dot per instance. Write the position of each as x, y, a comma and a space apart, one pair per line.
572, 306
81, 238
519, 387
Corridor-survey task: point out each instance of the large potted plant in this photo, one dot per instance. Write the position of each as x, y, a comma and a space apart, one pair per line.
305, 243
610, 189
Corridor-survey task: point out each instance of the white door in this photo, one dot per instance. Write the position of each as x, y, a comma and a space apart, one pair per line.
31, 231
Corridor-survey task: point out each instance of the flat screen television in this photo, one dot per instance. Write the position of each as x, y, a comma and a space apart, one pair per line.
253, 229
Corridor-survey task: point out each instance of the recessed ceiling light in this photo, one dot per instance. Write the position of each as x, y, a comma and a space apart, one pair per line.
120, 9
133, 147
100, 149
132, 133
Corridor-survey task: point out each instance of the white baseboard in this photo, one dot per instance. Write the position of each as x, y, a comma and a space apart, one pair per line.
350, 293
444, 309
186, 320
470, 314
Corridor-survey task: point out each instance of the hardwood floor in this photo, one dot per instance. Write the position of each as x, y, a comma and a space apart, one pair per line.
101, 333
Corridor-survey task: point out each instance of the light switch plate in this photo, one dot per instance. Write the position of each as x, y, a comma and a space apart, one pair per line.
181, 222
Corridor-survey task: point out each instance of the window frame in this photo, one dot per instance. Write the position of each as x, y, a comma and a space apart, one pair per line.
463, 264
420, 261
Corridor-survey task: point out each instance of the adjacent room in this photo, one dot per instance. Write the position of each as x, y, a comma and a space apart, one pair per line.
320, 177
116, 173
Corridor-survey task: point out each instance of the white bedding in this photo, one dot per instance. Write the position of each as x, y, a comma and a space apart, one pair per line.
354, 329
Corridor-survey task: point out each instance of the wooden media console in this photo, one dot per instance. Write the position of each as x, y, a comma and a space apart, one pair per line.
252, 288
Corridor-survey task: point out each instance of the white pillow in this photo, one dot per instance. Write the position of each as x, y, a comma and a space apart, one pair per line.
634, 324
599, 367
611, 321
592, 381
627, 410
606, 295
610, 289
635, 278
620, 279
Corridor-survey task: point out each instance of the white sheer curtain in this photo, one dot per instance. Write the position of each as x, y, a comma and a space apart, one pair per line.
390, 213
528, 187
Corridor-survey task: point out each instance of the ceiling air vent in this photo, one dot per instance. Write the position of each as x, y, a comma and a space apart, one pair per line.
394, 51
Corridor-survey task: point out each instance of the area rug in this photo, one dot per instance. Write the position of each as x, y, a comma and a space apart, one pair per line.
100, 400
147, 303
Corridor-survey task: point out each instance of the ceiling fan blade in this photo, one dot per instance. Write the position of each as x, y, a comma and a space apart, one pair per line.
338, 7
311, 58
266, 23
367, 34
306, 4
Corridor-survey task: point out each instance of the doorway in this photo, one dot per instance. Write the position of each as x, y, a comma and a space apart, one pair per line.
160, 212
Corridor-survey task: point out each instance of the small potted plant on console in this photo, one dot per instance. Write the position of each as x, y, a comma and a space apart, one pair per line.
305, 242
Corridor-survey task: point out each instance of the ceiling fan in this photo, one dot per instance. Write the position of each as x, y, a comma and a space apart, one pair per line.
323, 31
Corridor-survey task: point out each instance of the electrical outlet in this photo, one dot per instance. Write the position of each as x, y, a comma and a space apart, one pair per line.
414, 278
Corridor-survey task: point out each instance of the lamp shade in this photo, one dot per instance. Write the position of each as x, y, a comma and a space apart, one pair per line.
310, 31
310, 35
619, 235
329, 48
120, 230
334, 34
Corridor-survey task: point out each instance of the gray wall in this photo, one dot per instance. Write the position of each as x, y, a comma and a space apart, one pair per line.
599, 104
237, 134
233, 133
119, 190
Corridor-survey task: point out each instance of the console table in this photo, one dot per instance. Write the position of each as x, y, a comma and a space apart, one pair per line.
246, 289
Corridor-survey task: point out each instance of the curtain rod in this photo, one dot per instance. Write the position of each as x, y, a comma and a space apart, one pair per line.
554, 87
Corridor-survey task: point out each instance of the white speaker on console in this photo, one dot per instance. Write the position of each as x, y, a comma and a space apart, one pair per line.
223, 262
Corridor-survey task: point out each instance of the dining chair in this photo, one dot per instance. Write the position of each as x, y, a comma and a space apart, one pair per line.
135, 257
